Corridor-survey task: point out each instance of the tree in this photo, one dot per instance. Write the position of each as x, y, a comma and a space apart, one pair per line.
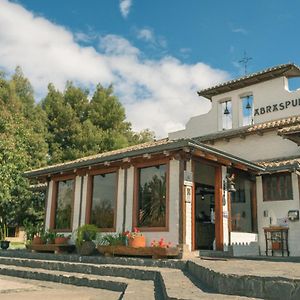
22, 146
78, 127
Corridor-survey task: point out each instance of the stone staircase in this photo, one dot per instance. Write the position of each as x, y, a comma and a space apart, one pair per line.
133, 278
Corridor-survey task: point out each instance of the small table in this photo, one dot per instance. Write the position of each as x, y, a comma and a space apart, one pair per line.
277, 239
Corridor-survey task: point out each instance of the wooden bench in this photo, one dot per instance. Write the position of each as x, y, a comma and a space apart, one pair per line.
154, 252
56, 248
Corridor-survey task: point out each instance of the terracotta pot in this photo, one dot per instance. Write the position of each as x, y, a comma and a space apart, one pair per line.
61, 240
37, 240
276, 245
137, 242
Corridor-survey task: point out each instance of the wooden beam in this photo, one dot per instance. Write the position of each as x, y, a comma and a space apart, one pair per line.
240, 166
219, 208
147, 155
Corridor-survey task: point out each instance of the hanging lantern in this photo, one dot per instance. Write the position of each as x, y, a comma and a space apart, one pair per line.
248, 106
226, 110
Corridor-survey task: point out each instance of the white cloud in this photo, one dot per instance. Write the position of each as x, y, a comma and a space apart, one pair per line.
147, 35
125, 6
240, 30
157, 94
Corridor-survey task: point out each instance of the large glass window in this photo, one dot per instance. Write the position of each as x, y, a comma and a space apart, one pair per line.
243, 204
64, 203
247, 110
226, 111
152, 202
277, 187
104, 193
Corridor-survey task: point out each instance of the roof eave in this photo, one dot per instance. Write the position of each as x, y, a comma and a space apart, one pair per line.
116, 157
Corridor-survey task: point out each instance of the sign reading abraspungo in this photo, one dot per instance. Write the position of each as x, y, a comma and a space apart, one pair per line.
276, 107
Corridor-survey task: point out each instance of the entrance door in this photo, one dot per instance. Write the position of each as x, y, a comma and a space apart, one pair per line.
204, 216
204, 209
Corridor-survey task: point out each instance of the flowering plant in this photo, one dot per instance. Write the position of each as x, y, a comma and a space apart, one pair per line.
160, 243
132, 234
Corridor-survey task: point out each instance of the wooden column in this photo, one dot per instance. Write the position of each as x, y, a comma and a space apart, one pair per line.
219, 208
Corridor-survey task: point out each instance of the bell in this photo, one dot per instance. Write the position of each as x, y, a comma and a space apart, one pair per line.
248, 106
226, 110
231, 187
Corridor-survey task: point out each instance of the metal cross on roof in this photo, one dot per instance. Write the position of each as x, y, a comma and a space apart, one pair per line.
245, 61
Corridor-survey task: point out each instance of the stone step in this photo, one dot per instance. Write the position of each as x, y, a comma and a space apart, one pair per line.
169, 283
130, 288
213, 253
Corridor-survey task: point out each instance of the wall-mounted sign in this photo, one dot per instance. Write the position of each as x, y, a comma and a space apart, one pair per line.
276, 107
188, 178
188, 194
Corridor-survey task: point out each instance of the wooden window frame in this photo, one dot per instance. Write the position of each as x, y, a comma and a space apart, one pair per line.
277, 176
138, 166
56, 180
89, 197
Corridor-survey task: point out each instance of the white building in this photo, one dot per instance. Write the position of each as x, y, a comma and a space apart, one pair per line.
179, 188
263, 126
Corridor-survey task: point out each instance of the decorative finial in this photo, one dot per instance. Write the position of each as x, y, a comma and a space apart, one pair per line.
245, 61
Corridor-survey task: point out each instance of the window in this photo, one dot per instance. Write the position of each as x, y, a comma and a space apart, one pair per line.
63, 204
226, 111
247, 110
243, 203
151, 202
277, 187
102, 202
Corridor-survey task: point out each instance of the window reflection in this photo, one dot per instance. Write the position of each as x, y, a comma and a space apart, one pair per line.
242, 215
152, 197
103, 200
64, 200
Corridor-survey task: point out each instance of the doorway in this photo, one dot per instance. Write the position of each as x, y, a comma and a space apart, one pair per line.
204, 206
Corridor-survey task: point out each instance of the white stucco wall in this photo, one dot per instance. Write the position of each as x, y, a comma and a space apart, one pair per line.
49, 205
255, 147
188, 215
120, 201
276, 210
266, 93
129, 203
83, 201
76, 202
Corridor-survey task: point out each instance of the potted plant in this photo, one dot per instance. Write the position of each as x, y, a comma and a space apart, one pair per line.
39, 235
117, 239
86, 234
60, 239
135, 238
4, 244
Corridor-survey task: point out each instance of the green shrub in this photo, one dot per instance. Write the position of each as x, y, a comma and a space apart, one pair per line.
117, 239
86, 233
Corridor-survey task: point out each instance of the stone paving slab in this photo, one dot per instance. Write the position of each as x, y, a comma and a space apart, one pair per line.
141, 288
23, 289
288, 270
177, 285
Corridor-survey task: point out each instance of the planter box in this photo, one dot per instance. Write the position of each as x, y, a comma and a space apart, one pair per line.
154, 252
56, 248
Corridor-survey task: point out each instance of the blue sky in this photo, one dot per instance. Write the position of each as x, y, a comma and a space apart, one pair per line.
156, 53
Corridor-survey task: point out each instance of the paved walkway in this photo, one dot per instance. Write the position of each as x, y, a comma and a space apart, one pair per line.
261, 268
12, 288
